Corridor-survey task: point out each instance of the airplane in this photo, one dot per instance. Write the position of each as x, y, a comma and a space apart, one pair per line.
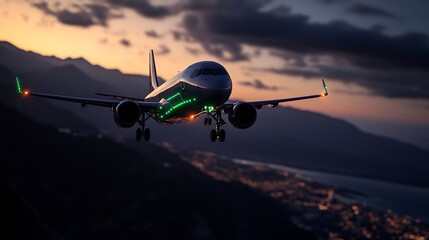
203, 88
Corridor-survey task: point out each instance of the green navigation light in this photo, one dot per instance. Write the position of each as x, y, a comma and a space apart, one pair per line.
18, 86
175, 95
209, 108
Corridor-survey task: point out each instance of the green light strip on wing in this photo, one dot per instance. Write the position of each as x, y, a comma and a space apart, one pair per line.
18, 86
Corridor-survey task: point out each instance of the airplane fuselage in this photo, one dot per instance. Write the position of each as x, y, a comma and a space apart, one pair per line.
200, 87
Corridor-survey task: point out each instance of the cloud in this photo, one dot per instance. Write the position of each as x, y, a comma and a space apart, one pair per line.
330, 1
164, 50
104, 40
395, 84
223, 27
193, 51
84, 15
258, 84
182, 36
125, 42
152, 33
370, 11
295, 33
145, 8
218, 46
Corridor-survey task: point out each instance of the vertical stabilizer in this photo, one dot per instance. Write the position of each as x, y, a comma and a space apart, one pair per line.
152, 72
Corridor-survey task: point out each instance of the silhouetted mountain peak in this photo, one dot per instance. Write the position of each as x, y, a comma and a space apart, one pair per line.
79, 60
8, 45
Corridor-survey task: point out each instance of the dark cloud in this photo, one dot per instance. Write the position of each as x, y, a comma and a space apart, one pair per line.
330, 1
102, 13
163, 50
193, 51
395, 84
182, 36
125, 42
295, 33
218, 46
258, 84
366, 10
145, 8
152, 33
85, 15
291, 58
223, 27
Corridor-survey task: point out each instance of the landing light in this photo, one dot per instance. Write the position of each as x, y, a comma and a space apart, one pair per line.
26, 92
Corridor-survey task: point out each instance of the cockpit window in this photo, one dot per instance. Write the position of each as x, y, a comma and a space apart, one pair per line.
199, 73
221, 71
209, 71
214, 71
194, 73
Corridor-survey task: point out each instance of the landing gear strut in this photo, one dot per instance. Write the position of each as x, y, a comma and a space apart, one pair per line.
142, 131
217, 132
207, 120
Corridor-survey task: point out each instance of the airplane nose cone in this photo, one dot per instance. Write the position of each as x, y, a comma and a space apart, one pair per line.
217, 89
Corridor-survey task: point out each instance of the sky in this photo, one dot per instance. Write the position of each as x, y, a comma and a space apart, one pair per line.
374, 55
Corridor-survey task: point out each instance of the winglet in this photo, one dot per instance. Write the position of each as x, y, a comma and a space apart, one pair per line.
152, 72
18, 85
325, 88
19, 88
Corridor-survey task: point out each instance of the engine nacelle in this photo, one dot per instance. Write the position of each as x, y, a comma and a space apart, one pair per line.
242, 115
127, 113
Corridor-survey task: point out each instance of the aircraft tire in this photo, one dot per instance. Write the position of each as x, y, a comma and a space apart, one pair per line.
205, 121
222, 135
209, 121
213, 135
146, 134
139, 134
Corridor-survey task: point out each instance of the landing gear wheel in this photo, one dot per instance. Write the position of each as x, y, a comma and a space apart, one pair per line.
139, 134
146, 134
205, 121
213, 135
209, 121
222, 135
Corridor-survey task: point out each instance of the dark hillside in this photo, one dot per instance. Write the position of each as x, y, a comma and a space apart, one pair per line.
55, 186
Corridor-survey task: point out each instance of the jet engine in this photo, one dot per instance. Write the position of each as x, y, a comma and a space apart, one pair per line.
127, 113
242, 115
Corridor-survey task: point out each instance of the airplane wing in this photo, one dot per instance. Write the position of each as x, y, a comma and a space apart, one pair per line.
119, 97
275, 102
145, 106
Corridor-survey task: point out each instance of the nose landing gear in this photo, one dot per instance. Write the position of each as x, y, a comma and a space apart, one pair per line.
217, 132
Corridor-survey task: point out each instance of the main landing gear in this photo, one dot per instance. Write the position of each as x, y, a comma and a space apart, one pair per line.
142, 131
217, 132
